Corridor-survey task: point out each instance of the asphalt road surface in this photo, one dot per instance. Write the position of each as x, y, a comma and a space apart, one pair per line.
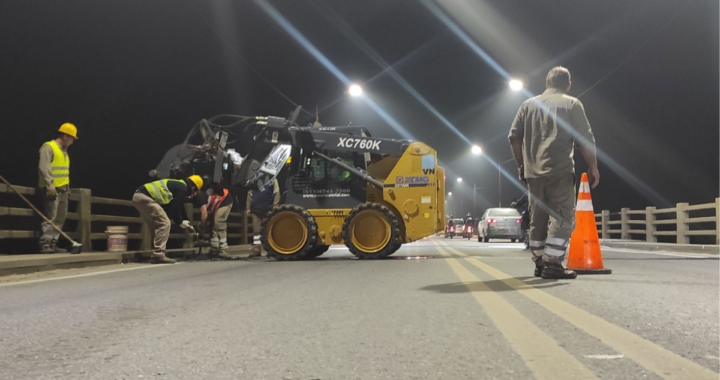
439, 309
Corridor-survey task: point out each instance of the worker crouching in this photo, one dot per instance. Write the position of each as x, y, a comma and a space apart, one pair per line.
214, 211
161, 201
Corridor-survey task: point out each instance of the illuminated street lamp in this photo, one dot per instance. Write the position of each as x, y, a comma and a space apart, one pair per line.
515, 84
355, 90
459, 179
476, 150
449, 193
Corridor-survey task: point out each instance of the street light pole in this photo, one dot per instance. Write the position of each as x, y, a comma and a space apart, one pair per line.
499, 186
500, 181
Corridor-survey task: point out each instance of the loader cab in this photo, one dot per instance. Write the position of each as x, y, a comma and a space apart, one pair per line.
315, 183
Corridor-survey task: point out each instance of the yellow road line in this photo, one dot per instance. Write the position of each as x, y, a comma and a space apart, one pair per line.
655, 358
542, 354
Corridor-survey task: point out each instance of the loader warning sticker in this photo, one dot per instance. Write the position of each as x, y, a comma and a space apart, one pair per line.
428, 161
425, 199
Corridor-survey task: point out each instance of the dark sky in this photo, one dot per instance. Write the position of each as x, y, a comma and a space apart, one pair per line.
136, 75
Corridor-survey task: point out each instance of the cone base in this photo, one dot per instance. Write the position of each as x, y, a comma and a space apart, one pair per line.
592, 271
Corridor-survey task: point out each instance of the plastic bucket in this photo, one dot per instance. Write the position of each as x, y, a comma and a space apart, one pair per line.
117, 238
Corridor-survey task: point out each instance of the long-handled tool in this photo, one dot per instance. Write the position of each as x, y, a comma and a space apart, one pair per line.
76, 247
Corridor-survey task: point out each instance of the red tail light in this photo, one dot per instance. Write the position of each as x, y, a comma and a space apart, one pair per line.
518, 221
490, 221
452, 229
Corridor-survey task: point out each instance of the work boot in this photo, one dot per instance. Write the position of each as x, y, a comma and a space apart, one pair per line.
539, 265
557, 271
161, 259
46, 247
256, 251
55, 248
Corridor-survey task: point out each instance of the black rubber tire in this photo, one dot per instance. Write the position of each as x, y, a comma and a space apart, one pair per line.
479, 238
309, 224
486, 239
317, 251
396, 248
513, 240
393, 243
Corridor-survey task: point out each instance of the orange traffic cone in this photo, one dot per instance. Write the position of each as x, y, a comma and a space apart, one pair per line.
584, 256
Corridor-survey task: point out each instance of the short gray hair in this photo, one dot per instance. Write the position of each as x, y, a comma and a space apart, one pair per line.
558, 77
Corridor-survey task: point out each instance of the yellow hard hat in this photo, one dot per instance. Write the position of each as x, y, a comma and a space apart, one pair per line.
197, 180
69, 129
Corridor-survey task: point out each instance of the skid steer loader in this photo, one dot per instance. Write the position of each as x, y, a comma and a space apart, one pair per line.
343, 186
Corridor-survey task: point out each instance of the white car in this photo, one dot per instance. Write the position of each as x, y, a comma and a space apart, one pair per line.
500, 223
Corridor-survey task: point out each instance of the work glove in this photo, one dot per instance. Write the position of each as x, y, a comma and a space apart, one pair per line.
51, 194
186, 224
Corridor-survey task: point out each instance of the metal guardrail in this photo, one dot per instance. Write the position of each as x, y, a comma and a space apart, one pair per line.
85, 219
628, 223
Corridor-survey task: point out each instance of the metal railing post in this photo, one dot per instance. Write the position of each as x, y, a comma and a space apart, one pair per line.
84, 210
624, 226
682, 224
244, 227
717, 220
650, 224
188, 236
604, 226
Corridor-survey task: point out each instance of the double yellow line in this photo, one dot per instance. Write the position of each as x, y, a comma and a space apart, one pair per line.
541, 353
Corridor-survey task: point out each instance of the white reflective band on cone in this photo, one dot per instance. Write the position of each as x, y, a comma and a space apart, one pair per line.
584, 187
556, 241
584, 205
554, 252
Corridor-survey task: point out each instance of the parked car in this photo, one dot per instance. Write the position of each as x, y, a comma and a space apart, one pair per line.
500, 223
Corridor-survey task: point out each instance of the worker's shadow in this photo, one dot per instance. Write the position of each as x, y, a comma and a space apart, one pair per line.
492, 286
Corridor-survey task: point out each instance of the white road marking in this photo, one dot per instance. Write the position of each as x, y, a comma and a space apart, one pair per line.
84, 275
604, 357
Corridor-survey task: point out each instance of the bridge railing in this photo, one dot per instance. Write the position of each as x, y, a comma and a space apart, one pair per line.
89, 216
681, 223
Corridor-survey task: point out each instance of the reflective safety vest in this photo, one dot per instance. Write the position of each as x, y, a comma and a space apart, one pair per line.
158, 190
60, 166
215, 200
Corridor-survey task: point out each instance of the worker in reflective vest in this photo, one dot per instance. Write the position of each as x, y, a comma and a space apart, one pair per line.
215, 210
54, 173
161, 201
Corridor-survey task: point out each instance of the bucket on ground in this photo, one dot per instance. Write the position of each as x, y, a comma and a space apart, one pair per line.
117, 238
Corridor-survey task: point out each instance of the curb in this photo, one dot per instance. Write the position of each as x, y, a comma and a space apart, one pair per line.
25, 264
38, 263
668, 247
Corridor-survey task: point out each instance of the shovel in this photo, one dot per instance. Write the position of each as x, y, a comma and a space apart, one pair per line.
76, 247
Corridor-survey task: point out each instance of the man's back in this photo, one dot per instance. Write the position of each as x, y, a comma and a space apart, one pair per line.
549, 124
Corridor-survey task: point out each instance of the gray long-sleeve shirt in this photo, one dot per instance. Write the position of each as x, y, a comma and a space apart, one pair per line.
549, 125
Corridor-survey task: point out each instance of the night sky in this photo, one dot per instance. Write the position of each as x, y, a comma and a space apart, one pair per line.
136, 75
